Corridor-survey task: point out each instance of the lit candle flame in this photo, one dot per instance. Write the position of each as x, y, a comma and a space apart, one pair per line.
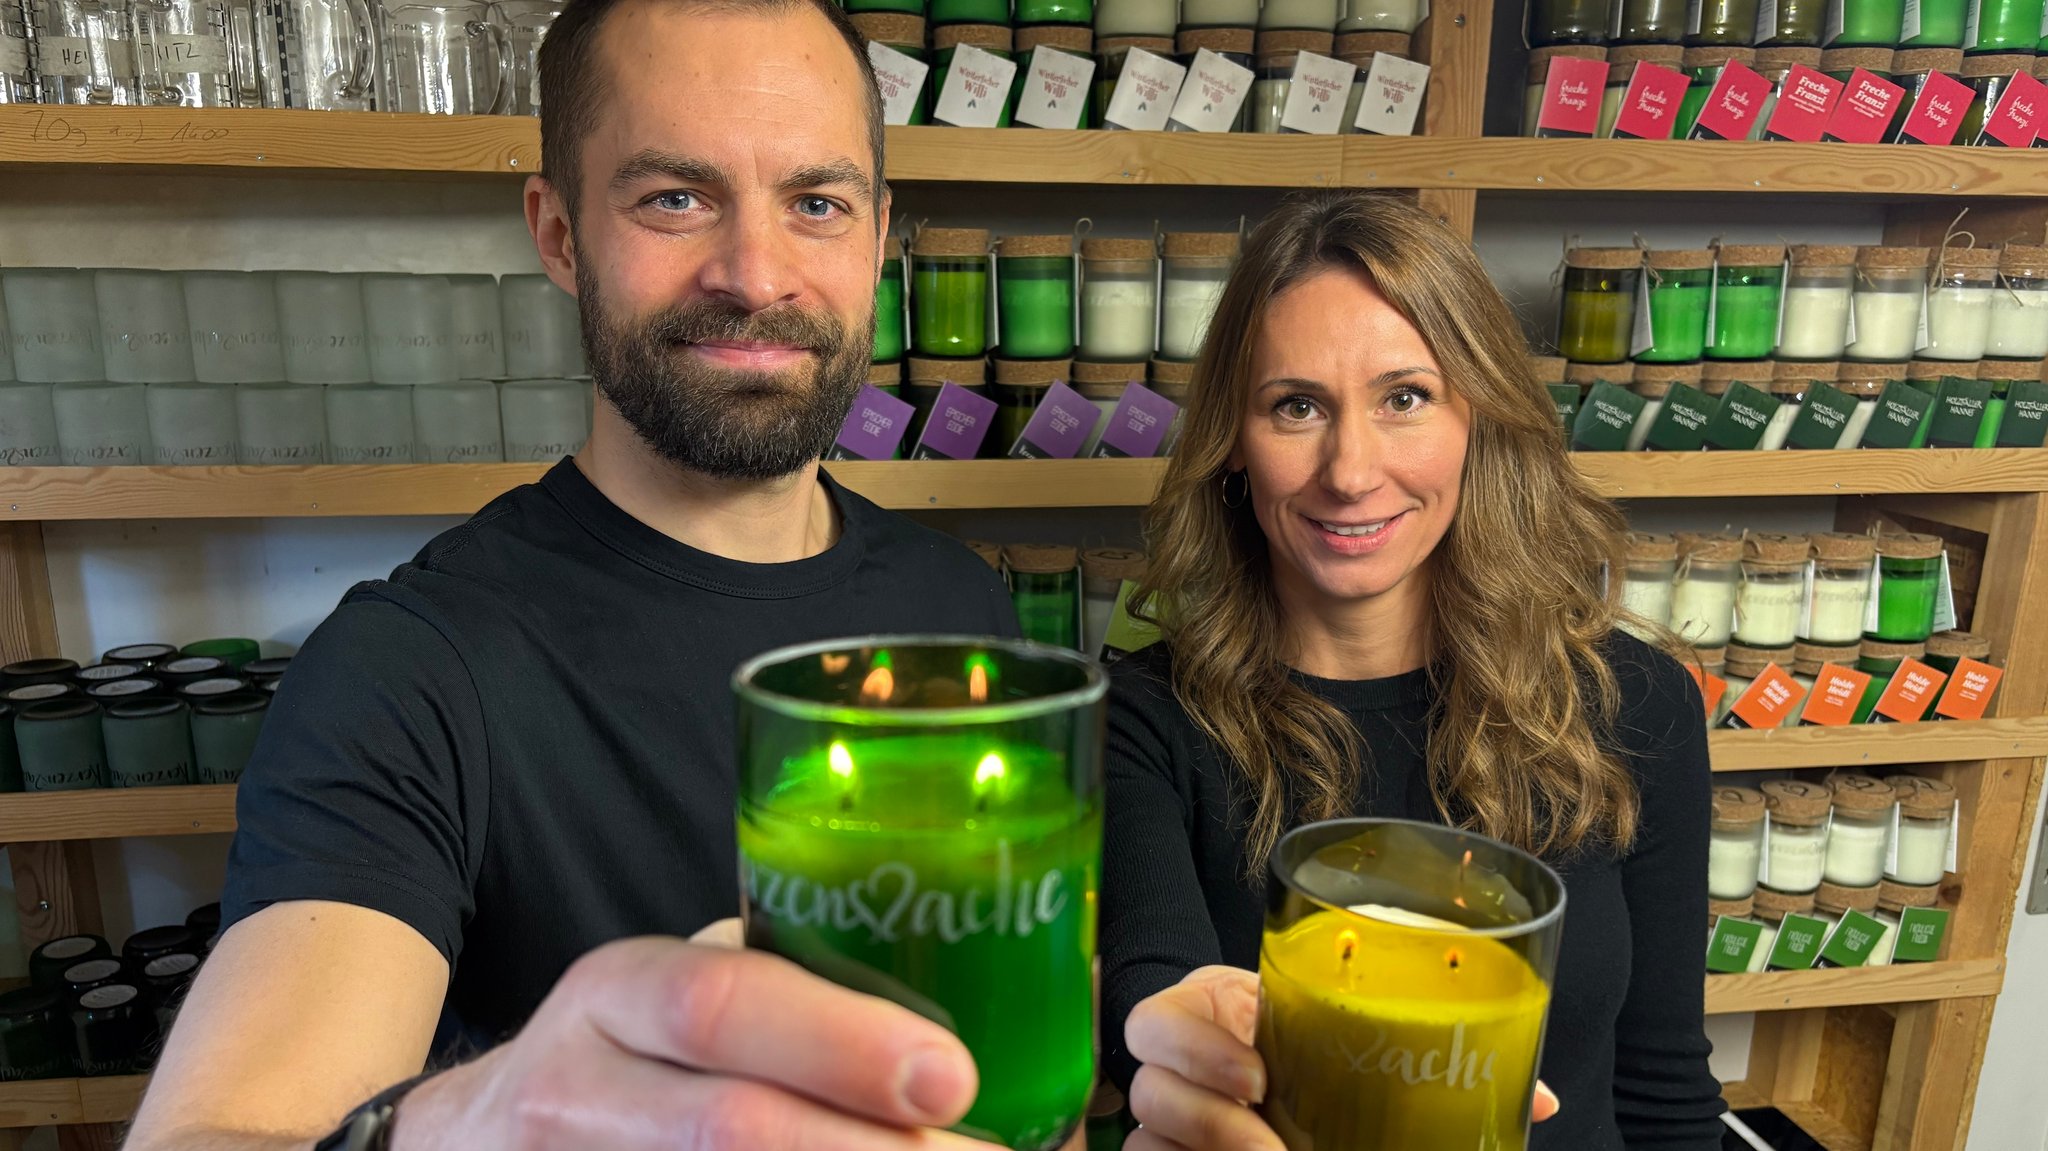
835, 662
989, 770
840, 759
977, 683
879, 686
1347, 945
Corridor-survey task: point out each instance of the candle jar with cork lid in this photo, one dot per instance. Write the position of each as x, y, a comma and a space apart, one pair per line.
1649, 22
1871, 24
1103, 384
1233, 44
949, 291
1819, 286
1649, 564
1103, 572
1880, 661
1597, 314
1790, 383
1735, 849
1111, 51
1718, 377
1775, 65
1942, 25
1889, 285
1909, 581
1808, 659
1770, 908
2019, 308
1749, 279
1195, 266
1703, 590
1045, 586
1574, 22
1019, 387
1277, 52
1927, 814
1959, 295
1834, 903
1946, 650
1621, 72
1538, 75
995, 39
1679, 285
1685, 429
1703, 68
1795, 849
1893, 899
1910, 70
904, 31
1865, 383
2009, 26
1745, 666
1035, 296
1713, 661
1172, 380
1360, 49
888, 379
891, 340
1840, 597
1075, 40
1400, 16
925, 377
1792, 24
2004, 376
1119, 298
1857, 835
1772, 591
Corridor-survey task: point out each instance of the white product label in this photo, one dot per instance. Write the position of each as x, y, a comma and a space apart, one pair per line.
1766, 20
1145, 92
13, 56
1713, 300
1849, 336
1975, 10
1644, 336
1912, 27
1215, 90
68, 948
1055, 89
1393, 96
1955, 820
1944, 600
164, 965
92, 971
1806, 602
901, 79
1317, 95
1784, 278
1922, 338
1834, 29
69, 56
1870, 605
1763, 859
180, 54
977, 86
1891, 842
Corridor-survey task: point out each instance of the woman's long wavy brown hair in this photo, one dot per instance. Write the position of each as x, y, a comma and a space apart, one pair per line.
1520, 745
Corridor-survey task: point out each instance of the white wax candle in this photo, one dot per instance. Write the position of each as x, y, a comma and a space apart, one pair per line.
1731, 865
1816, 323
1649, 598
1136, 17
1184, 314
1958, 323
1855, 853
1923, 852
1887, 326
1797, 855
1307, 15
1219, 13
1839, 605
1881, 951
1269, 103
1380, 16
2019, 324
1859, 422
1764, 942
1116, 318
1767, 612
1610, 110
1703, 608
1640, 433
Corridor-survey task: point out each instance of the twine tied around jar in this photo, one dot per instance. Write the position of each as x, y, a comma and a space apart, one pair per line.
1954, 229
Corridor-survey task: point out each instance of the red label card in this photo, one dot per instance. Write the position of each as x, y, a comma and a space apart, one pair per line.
1865, 109
1836, 692
1771, 697
1733, 105
1571, 98
1938, 114
1912, 688
1969, 690
1650, 108
2018, 117
1805, 100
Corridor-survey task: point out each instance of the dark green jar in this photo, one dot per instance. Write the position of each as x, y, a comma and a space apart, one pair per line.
891, 340
1942, 23
1724, 24
1035, 296
33, 1043
2007, 26
968, 12
1110, 54
1798, 24
1045, 586
1030, 12
904, 7
60, 744
949, 270
149, 743
1020, 386
946, 41
224, 732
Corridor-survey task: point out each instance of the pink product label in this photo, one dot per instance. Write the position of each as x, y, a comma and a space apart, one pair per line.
1938, 113
2018, 117
1650, 108
1571, 97
1865, 109
1805, 101
1733, 104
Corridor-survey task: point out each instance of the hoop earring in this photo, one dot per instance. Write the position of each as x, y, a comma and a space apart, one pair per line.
1244, 496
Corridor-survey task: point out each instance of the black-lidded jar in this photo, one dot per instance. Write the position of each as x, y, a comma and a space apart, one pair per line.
32, 1040
28, 671
145, 654
157, 942
190, 669
80, 978
113, 1030
205, 924
166, 979
48, 963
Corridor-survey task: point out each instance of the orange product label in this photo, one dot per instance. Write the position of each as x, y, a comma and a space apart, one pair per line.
1969, 690
1906, 697
1712, 687
1771, 697
1836, 692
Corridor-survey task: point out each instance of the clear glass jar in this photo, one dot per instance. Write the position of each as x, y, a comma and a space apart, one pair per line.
1539, 74
1749, 280
1817, 297
1909, 579
1856, 837
1959, 305
1735, 848
1103, 386
1274, 78
1789, 385
1926, 824
949, 291
1597, 316
1119, 301
1649, 565
1865, 382
1703, 591
1360, 50
1889, 286
1745, 665
1196, 265
1035, 296
1110, 54
1796, 846
1724, 23
1841, 587
1553, 22
891, 338
1772, 590
2019, 306
1376, 16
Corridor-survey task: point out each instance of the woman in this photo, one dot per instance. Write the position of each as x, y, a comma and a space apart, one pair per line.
1379, 582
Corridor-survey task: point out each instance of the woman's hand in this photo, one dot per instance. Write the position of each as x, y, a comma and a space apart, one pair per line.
1202, 1074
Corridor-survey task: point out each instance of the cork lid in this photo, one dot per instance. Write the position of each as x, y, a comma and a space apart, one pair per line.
1776, 905
1782, 59
1157, 45
1911, 60
1822, 255
1115, 564
1290, 42
1773, 548
1715, 57
1681, 259
1797, 371
1877, 60
1799, 802
1080, 41
1092, 373
1193, 245
1978, 67
1732, 908
1041, 559
950, 241
1842, 547
1889, 652
1752, 255
1586, 375
2041, 67
1835, 899
1547, 369
1173, 373
1959, 645
1035, 245
1710, 658
889, 27
1750, 662
892, 248
886, 375
2029, 256
1539, 60
988, 37
928, 370
1808, 657
1233, 41
2013, 370
1117, 248
1962, 257
1360, 47
1882, 257
991, 554
1669, 55
1653, 380
1922, 797
1855, 791
1941, 370
1737, 807
1711, 547
1647, 547
1606, 258
1910, 546
1897, 897
1032, 373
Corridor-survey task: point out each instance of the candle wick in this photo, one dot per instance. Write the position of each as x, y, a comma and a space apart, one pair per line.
846, 803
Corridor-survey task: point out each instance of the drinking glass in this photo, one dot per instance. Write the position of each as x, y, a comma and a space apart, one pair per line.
28, 426
442, 56
236, 337
1404, 980
525, 24
17, 83
369, 424
920, 818
143, 326
543, 329
101, 425
330, 54
54, 321
412, 328
84, 51
281, 424
457, 423
544, 420
326, 338
479, 328
191, 425
182, 53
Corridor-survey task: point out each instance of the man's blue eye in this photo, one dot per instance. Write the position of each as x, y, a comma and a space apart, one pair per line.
674, 201
815, 206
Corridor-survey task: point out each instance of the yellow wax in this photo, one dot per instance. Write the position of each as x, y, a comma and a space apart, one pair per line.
1376, 1034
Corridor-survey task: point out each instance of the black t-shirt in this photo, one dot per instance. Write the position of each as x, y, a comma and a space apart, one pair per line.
1626, 1049
521, 744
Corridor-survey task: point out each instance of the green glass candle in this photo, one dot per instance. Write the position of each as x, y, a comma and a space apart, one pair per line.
1799, 24
1046, 589
233, 652
33, 1042
908, 7
921, 819
1909, 579
2008, 26
1725, 23
1941, 24
1696, 93
969, 12
1879, 660
890, 339
1598, 313
224, 731
1679, 287
949, 292
149, 742
1035, 296
1871, 24
1055, 12
1749, 284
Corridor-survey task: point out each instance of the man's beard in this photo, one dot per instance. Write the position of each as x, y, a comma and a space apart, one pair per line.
729, 423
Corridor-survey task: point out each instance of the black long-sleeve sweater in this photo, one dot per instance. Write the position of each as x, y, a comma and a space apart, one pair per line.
1626, 1051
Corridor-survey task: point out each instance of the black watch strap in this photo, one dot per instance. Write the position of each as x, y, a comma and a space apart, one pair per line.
368, 1127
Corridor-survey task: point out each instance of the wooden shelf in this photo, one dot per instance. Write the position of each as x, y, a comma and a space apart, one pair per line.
118, 813
1846, 986
383, 144
1878, 744
37, 1102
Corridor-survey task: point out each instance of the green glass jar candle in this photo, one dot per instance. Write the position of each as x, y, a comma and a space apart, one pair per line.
2003, 375
1685, 428
60, 745
1795, 24
969, 777
1045, 585
1679, 283
1942, 23
968, 12
224, 730
891, 340
1724, 24
1538, 75
33, 1039
1909, 578
1035, 296
1074, 40
1774, 65
1879, 660
1987, 77
1749, 283
1718, 376
233, 651
1910, 69
992, 38
1871, 24
1080, 12
907, 7
1650, 22
1110, 53
1621, 72
906, 34
1598, 312
1233, 44
1947, 649
1703, 67
924, 378
1019, 387
1555, 22
949, 291
2008, 26
149, 743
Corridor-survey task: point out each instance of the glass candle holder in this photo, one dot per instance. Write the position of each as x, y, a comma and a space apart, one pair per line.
1987, 77
2003, 375
1103, 385
237, 335
2009, 26
1790, 383
1030, 12
1889, 286
1871, 24
146, 336
1598, 311
1404, 939
1947, 649
1679, 285
53, 315
1703, 592
1865, 383
149, 743
369, 424
995, 39
1858, 831
904, 31
949, 291
1650, 564
1362, 50
1748, 283
1909, 579
412, 328
1110, 54
2019, 308
1195, 266
1654, 383
28, 426
1927, 808
479, 328
1650, 22
1942, 24
1019, 387
1555, 22
191, 425
1796, 24
1046, 589
1795, 849
925, 378
1842, 562
101, 425
1703, 68
325, 337
1880, 660
1735, 849
61, 746
1959, 304
1103, 572
1273, 73
892, 340
543, 329
1772, 590
544, 420
1808, 659
1724, 23
1035, 296
280, 424
224, 730
1818, 288
35, 1038
457, 423
920, 818
1119, 299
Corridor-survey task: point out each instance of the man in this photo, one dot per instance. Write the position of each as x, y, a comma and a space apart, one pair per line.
484, 772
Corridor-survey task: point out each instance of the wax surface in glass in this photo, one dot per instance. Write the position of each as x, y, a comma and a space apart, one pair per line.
1906, 598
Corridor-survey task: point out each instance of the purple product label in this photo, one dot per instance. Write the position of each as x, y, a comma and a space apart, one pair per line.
874, 426
959, 422
1139, 424
1059, 427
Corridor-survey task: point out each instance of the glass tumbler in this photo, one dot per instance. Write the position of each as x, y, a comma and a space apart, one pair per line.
543, 420
85, 51
281, 424
54, 318
326, 338
236, 336
543, 330
920, 818
1404, 982
330, 54
525, 24
411, 321
442, 57
191, 425
143, 326
182, 54
479, 328
369, 424
28, 426
101, 425
457, 423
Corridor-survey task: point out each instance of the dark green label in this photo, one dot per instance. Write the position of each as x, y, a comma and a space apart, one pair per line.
2026, 415
1734, 940
1852, 940
1900, 411
1606, 418
1681, 424
1566, 399
1958, 413
1920, 932
1798, 945
1739, 423
1821, 419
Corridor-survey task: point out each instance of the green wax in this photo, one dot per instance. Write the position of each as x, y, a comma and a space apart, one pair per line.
913, 7
1696, 94
1678, 318
949, 305
1048, 606
1872, 24
1746, 314
1905, 598
2008, 26
889, 335
1941, 24
942, 63
1802, 23
1054, 12
1598, 315
1994, 415
1725, 23
1035, 303
1015, 405
1880, 673
955, 874
969, 12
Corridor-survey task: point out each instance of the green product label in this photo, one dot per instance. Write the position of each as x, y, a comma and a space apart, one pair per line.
1728, 951
2026, 415
1681, 424
1566, 399
1127, 634
1738, 424
1606, 418
1798, 945
1821, 419
1852, 940
1958, 413
1920, 932
1900, 411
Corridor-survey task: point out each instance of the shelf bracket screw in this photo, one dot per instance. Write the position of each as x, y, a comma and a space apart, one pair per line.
259, 157
1539, 179
42, 905
515, 161
1460, 22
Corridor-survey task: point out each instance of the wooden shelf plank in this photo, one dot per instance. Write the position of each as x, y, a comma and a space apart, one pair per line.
1842, 987
37, 1102
110, 1099
118, 813
1878, 744
1691, 475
